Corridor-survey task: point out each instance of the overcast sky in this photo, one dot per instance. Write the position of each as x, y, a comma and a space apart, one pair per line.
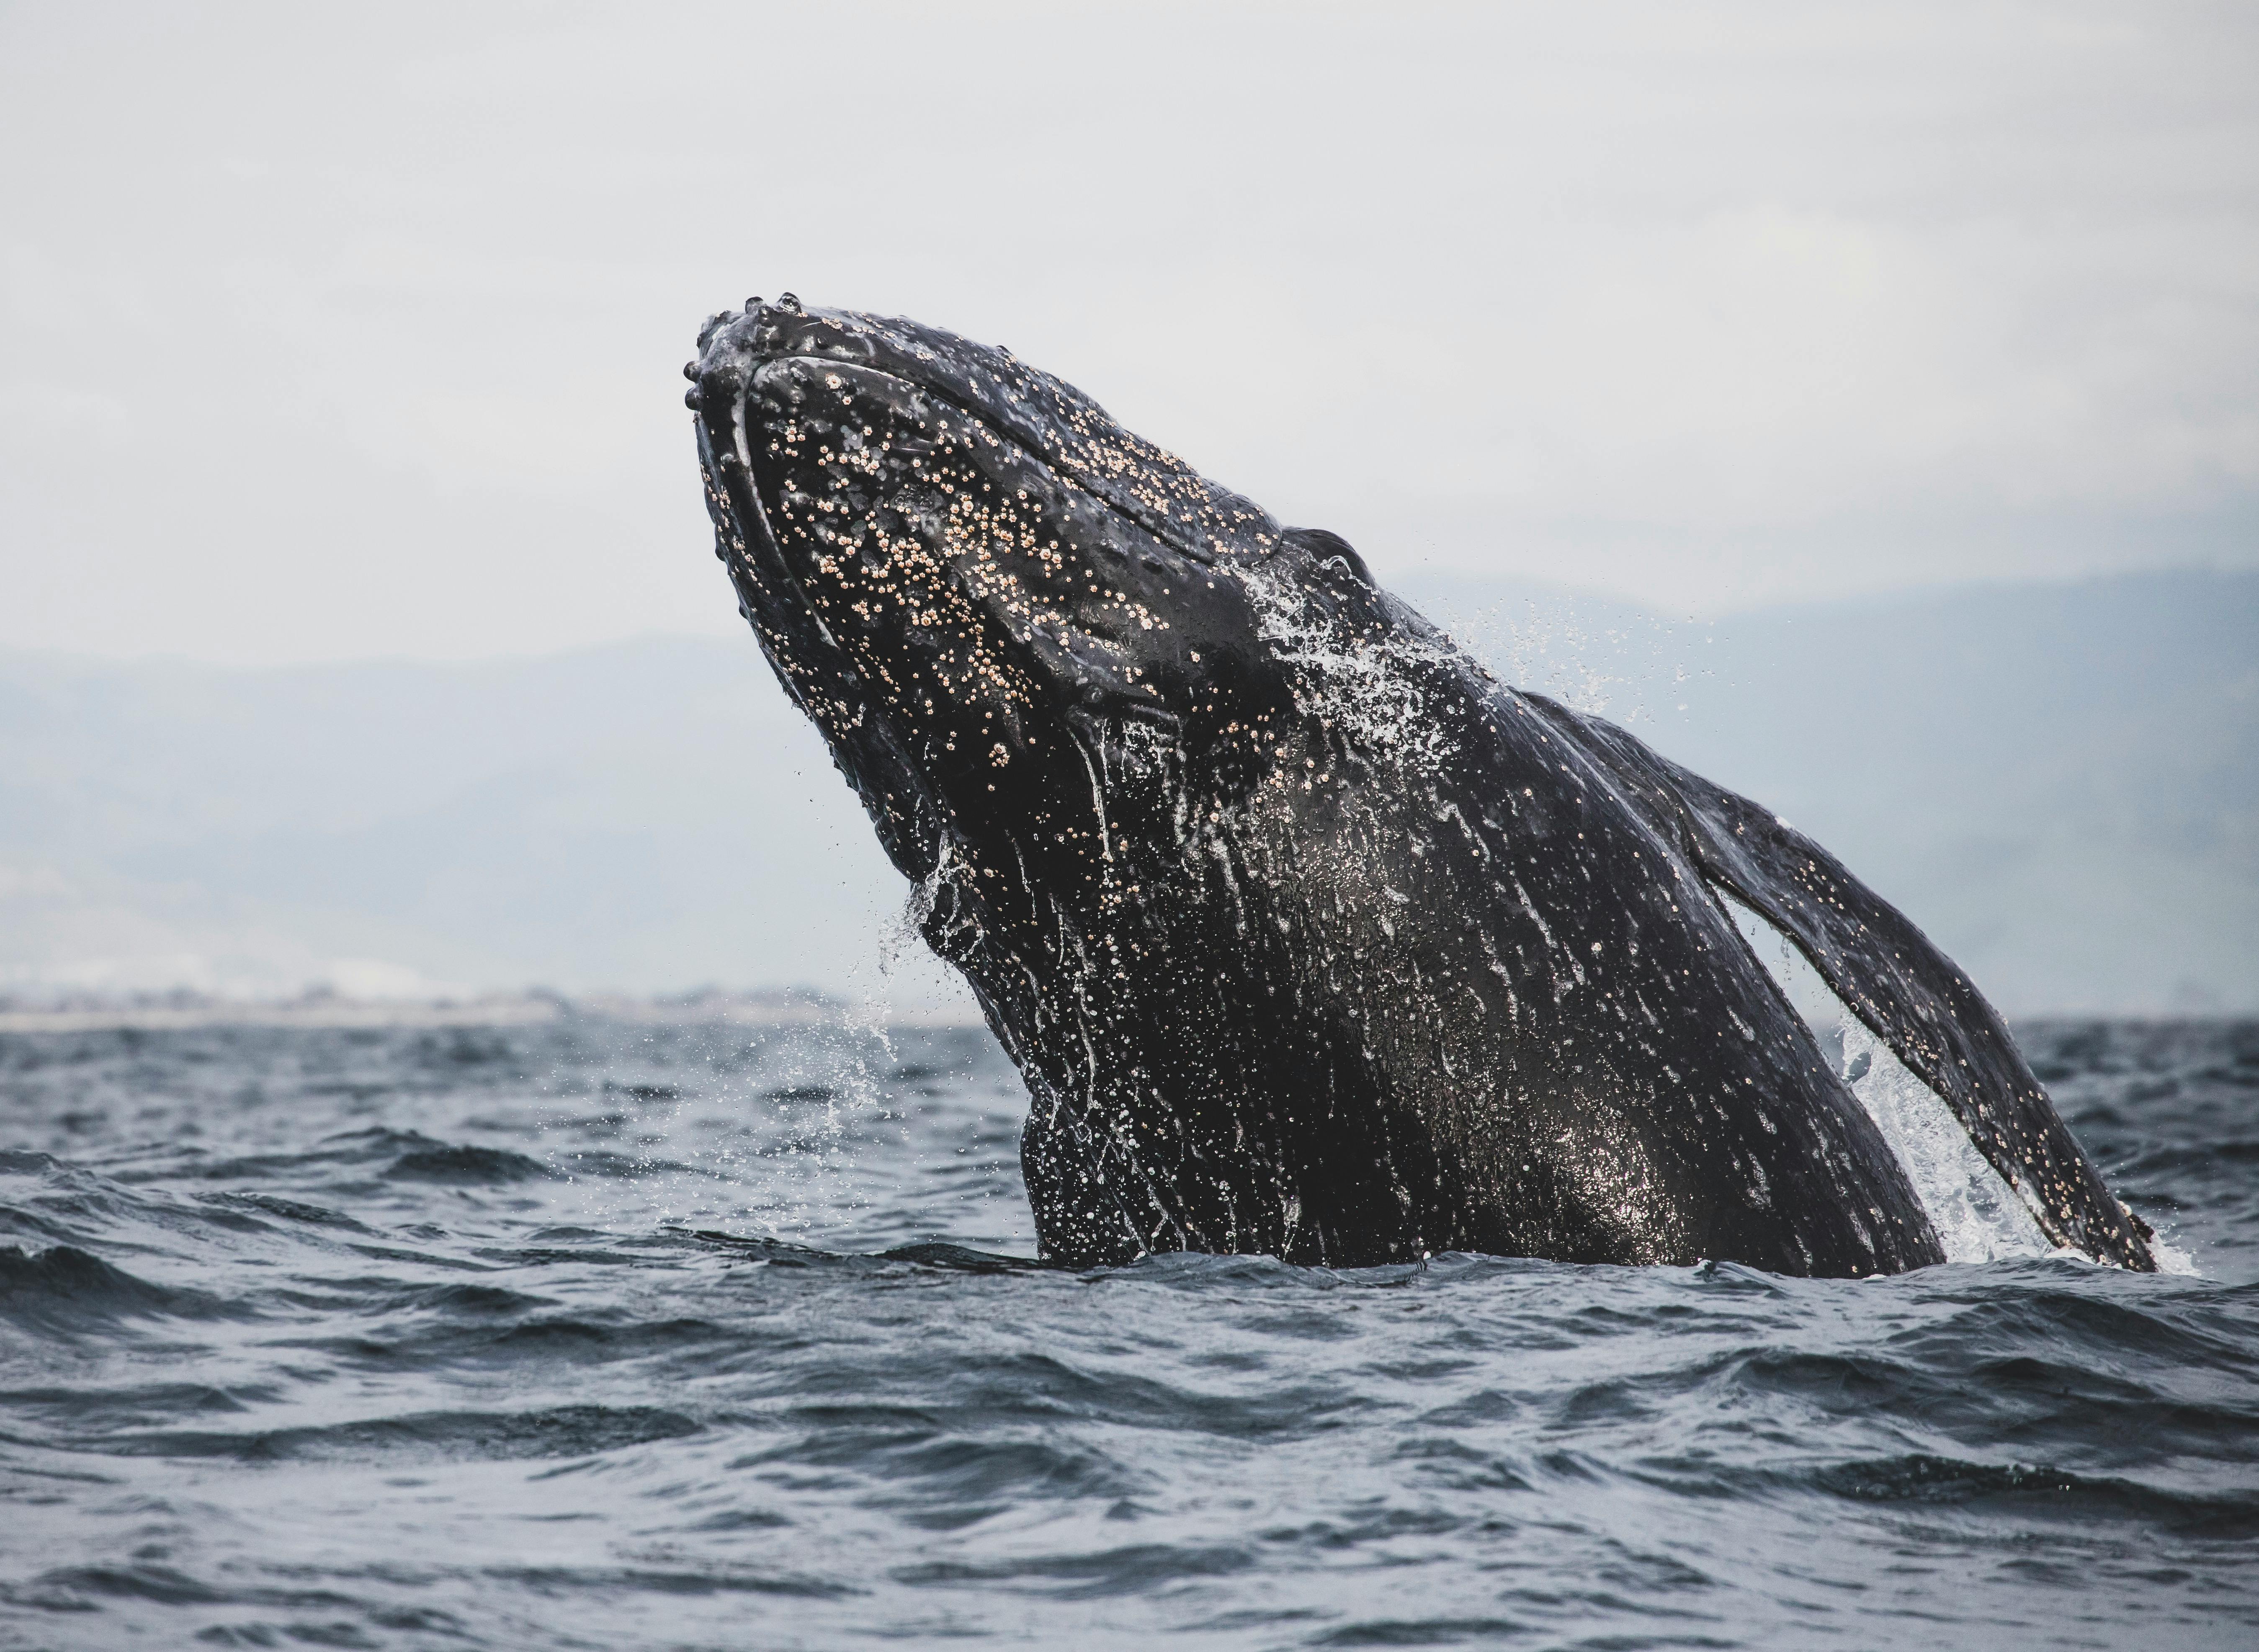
329, 332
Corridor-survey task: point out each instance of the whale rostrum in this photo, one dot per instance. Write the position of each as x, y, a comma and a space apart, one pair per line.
1310, 936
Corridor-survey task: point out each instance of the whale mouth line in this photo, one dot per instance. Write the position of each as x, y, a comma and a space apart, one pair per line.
855, 714
795, 592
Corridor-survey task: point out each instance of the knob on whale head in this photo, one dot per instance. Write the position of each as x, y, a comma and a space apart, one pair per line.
967, 572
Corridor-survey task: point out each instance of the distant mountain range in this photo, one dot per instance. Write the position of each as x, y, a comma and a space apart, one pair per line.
2059, 782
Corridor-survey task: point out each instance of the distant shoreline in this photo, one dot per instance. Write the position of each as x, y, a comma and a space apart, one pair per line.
757, 1010
527, 1009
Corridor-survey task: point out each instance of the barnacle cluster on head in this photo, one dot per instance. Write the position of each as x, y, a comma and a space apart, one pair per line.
939, 501
1037, 605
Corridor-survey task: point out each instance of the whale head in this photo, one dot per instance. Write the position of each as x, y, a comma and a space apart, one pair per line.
980, 587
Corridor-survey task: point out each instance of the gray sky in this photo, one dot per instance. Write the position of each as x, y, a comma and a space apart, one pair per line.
332, 332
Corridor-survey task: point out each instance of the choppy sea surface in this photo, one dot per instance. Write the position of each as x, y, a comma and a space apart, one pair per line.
595, 1334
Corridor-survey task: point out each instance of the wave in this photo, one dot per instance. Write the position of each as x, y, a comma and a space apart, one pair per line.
65, 1291
446, 1436
258, 1389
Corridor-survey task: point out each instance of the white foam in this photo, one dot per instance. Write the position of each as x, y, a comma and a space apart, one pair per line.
2171, 1258
1370, 692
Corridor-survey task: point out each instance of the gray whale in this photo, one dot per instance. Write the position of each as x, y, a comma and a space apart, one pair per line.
1310, 936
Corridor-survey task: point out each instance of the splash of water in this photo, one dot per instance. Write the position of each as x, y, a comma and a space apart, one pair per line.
759, 1132
1371, 692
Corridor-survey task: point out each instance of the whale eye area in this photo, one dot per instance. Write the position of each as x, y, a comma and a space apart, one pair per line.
1332, 553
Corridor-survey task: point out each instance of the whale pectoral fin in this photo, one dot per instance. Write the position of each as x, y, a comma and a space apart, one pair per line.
1908, 992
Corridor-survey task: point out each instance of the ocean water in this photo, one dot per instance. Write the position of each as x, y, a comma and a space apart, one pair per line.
599, 1333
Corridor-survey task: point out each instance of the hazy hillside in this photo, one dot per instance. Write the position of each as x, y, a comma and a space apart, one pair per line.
652, 815
2060, 782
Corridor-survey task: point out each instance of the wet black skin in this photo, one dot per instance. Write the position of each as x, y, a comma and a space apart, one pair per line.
1309, 938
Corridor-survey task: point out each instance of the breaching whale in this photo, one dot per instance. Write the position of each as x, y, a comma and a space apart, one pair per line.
1310, 936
